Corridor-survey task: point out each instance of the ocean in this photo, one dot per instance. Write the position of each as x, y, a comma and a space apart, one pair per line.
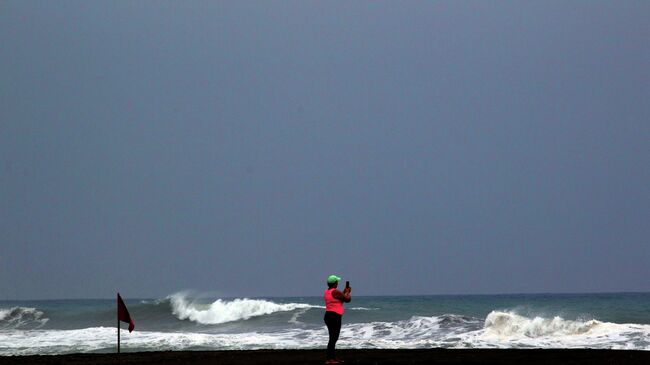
185, 321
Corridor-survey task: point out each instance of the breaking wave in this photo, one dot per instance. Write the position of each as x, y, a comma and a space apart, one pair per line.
192, 321
508, 329
223, 311
509, 324
21, 318
499, 330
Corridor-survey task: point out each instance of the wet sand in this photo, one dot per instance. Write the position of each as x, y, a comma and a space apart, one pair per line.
370, 357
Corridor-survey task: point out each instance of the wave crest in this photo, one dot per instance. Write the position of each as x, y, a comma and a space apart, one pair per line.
509, 324
221, 311
22, 317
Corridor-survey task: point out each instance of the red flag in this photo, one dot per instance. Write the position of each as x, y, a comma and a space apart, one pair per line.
123, 313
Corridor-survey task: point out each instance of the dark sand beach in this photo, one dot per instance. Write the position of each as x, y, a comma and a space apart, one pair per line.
428, 356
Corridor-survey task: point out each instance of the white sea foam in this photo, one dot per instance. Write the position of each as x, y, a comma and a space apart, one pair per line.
296, 315
509, 324
500, 329
504, 329
221, 311
47, 342
363, 309
102, 339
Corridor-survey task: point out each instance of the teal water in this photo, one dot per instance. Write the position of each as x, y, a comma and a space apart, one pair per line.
191, 322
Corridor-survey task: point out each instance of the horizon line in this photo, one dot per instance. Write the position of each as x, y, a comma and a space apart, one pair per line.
359, 296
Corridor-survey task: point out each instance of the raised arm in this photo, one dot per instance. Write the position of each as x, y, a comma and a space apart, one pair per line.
344, 296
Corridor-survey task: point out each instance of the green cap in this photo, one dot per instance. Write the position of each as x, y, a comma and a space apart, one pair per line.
333, 279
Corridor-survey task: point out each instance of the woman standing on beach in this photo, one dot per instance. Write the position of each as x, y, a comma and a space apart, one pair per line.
334, 310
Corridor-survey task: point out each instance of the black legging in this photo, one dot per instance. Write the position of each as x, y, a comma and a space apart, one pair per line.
333, 322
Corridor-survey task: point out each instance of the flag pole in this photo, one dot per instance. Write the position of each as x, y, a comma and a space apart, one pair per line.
118, 326
122, 316
118, 336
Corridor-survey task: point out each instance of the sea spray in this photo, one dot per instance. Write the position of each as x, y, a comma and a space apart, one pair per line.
221, 311
507, 329
21, 318
511, 324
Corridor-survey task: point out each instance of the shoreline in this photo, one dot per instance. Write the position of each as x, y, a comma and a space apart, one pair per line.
351, 356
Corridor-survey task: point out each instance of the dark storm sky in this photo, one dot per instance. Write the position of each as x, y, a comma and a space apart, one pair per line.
253, 148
